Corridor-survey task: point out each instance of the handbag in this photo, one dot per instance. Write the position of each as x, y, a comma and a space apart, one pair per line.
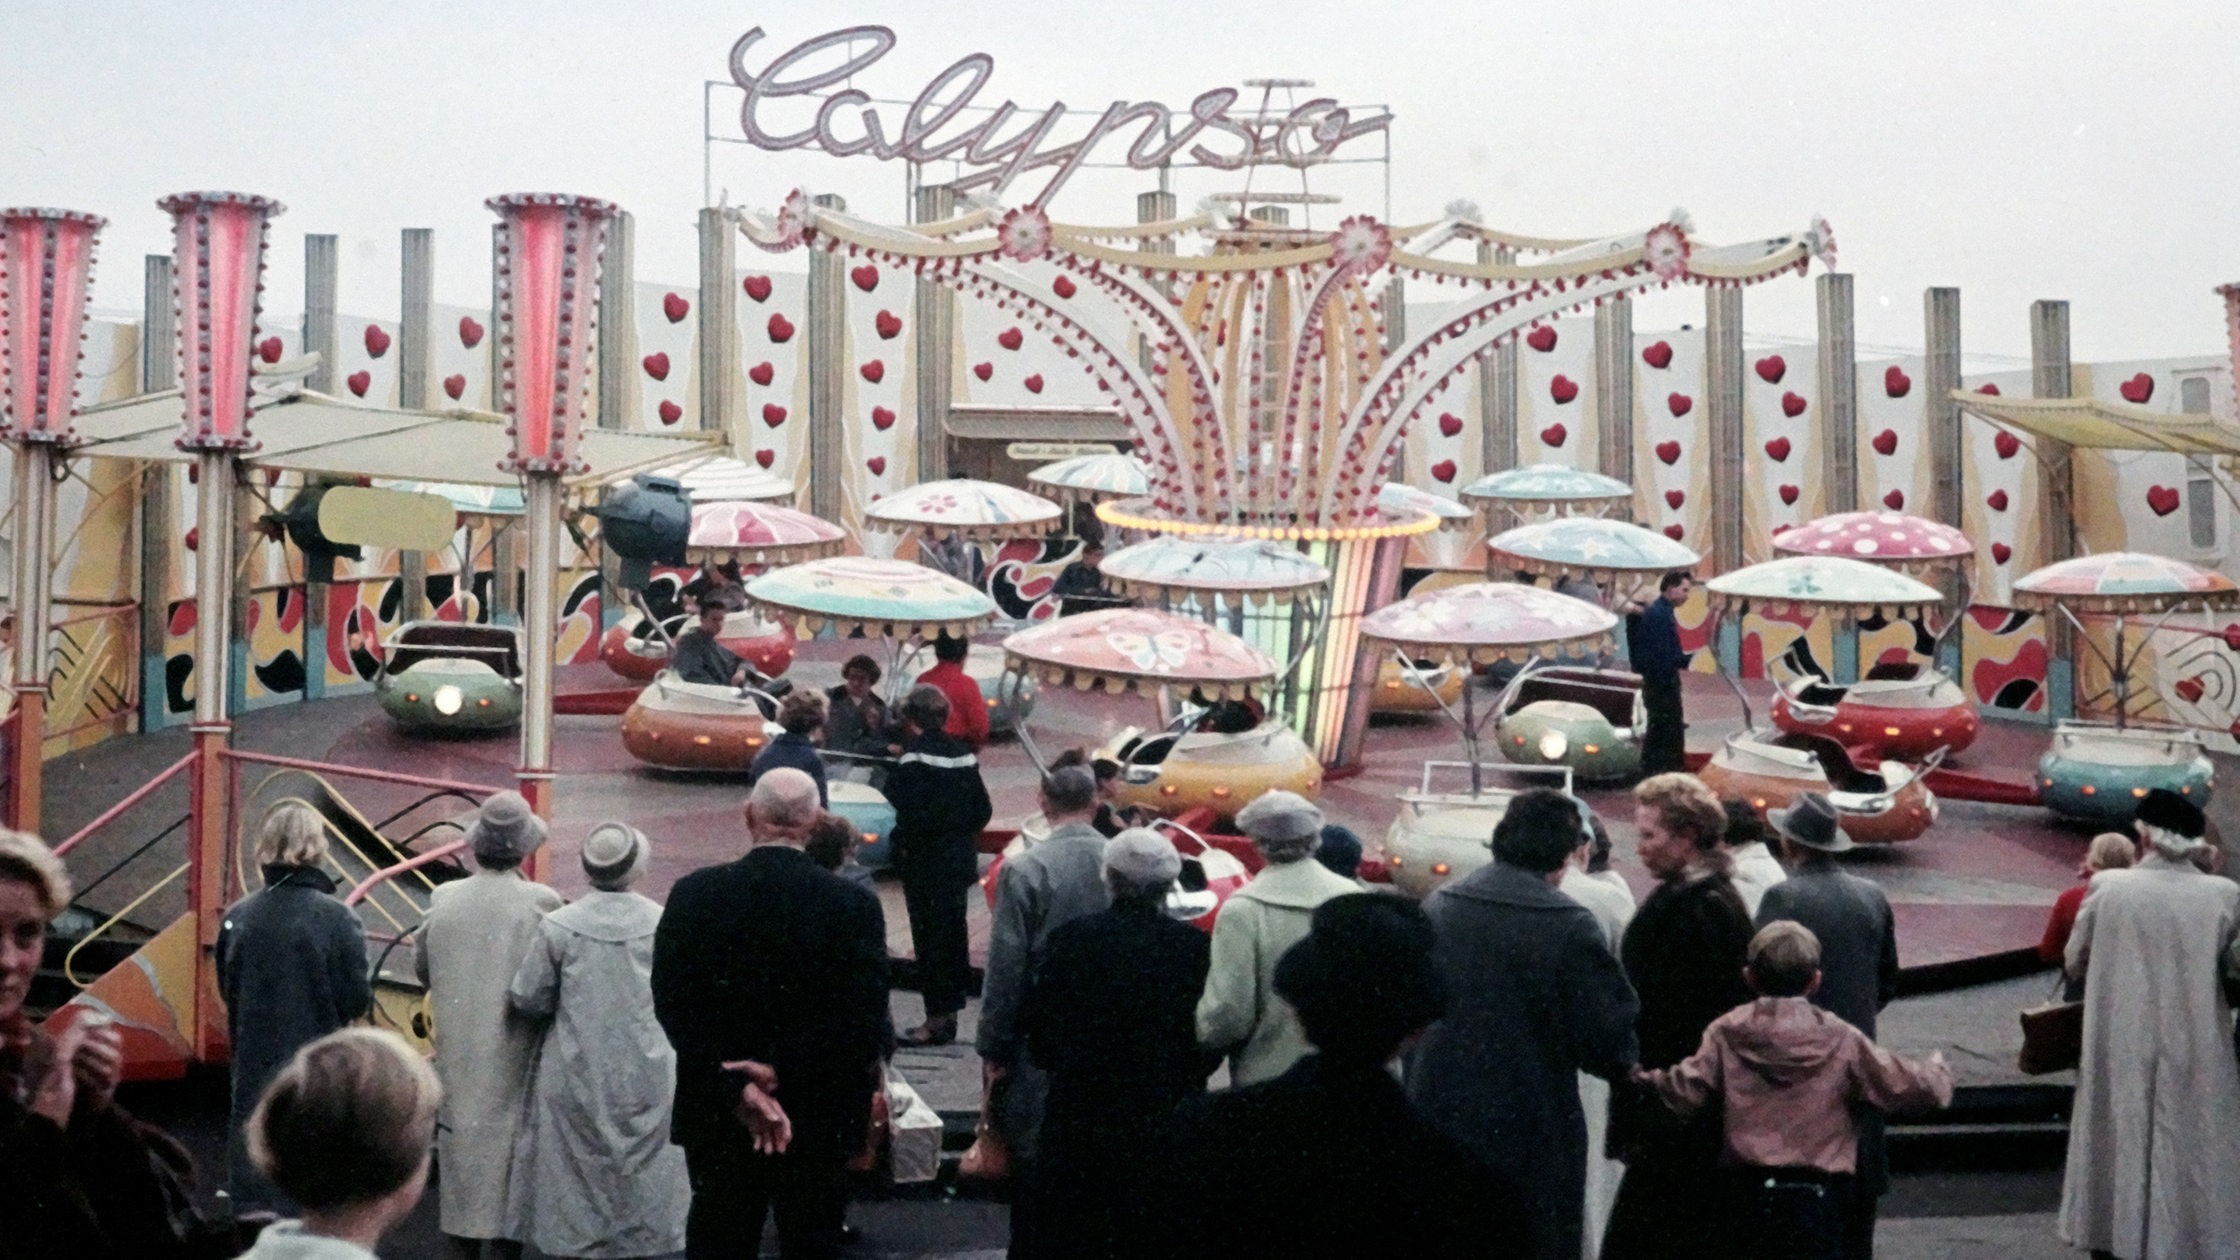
2052, 1036
988, 1160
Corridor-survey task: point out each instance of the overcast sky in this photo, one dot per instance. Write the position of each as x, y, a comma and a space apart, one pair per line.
2018, 150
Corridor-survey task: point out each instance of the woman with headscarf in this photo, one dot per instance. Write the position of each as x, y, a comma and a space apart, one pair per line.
2153, 1139
477, 932
595, 1176
292, 968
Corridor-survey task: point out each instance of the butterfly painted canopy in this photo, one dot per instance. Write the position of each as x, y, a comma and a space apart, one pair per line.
1120, 648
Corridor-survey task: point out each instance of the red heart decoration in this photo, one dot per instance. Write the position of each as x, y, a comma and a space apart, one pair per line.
1554, 435
874, 371
1778, 449
456, 386
1011, 339
1449, 424
2138, 390
656, 365
1772, 368
2232, 636
360, 382
762, 373
675, 307
866, 277
1792, 404
1680, 405
1674, 498
1669, 452
1674, 532
984, 371
1542, 339
1992, 390
877, 464
766, 458
1658, 355
1789, 495
1996, 500
377, 341
670, 412
1895, 382
2163, 499
194, 537
780, 328
882, 419
269, 349
1063, 286
1895, 500
194, 474
888, 323
1886, 442
1563, 389
2188, 689
1033, 384
758, 288
1444, 470
773, 414
2001, 553
2006, 444
470, 332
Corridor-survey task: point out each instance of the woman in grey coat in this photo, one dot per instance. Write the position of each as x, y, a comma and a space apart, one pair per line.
595, 1176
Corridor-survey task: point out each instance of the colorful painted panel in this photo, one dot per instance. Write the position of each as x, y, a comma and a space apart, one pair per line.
2005, 654
275, 633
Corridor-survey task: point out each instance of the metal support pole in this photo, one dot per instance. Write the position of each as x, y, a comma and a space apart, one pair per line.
2057, 515
1940, 308
319, 301
933, 330
719, 318
540, 627
1497, 387
1839, 394
417, 293
159, 370
618, 331
207, 875
827, 334
1613, 390
34, 608
1724, 373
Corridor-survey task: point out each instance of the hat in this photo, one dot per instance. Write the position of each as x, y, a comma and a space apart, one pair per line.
1811, 822
1340, 850
2165, 810
1143, 857
505, 831
1364, 977
615, 855
1280, 815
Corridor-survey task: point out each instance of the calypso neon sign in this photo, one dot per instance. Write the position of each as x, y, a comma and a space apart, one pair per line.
1006, 142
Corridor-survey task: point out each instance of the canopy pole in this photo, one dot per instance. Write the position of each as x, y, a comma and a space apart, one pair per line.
211, 800
34, 606
540, 616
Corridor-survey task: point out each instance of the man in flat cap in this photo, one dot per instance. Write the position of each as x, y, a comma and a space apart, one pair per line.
1240, 1015
477, 932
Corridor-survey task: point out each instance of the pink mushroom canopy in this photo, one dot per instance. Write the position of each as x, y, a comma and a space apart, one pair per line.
2124, 582
759, 533
1891, 538
1120, 648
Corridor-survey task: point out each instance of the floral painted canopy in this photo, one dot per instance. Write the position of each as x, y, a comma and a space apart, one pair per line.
889, 598
971, 509
759, 533
2124, 582
1912, 543
1546, 485
1487, 621
1234, 569
1121, 648
1590, 546
1832, 584
1401, 500
722, 479
1110, 476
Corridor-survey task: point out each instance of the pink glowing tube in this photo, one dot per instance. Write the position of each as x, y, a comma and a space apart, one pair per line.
548, 254
46, 263
217, 285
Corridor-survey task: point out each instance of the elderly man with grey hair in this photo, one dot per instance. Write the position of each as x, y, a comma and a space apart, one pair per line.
1240, 1014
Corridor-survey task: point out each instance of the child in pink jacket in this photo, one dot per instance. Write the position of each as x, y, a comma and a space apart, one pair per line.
1788, 1074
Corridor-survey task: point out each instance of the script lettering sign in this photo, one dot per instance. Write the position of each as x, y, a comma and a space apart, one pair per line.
1004, 142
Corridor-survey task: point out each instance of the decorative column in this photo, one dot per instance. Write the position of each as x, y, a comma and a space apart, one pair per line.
1613, 390
46, 264
719, 324
1839, 433
416, 280
828, 353
1723, 368
547, 268
319, 301
1497, 386
159, 370
1940, 310
933, 331
217, 279
2049, 378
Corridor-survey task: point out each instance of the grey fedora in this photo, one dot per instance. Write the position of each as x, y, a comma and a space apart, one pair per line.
1811, 822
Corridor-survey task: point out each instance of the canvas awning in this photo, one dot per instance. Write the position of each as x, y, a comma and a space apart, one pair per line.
311, 433
1037, 424
2091, 424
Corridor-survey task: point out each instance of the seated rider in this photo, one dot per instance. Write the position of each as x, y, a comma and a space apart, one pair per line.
699, 656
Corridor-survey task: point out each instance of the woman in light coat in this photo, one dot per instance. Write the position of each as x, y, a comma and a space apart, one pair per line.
595, 1176
2154, 1138
1240, 1014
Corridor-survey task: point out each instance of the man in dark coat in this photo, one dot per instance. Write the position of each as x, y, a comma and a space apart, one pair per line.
699, 656
1111, 1018
1275, 1169
940, 807
1653, 644
1534, 998
1858, 969
769, 977
1684, 952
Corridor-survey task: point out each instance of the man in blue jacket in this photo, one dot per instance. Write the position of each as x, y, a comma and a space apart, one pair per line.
1653, 641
